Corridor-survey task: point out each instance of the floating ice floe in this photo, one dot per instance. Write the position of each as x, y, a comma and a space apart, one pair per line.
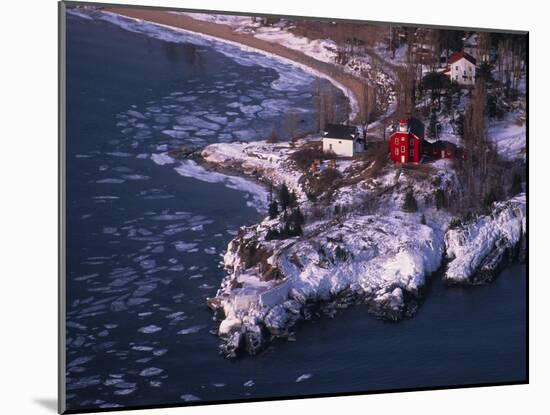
150, 329
189, 397
110, 180
191, 330
303, 377
162, 159
184, 246
151, 371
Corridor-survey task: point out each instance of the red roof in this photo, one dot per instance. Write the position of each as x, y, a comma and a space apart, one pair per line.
459, 55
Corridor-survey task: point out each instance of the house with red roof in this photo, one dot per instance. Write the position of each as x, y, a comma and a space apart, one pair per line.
461, 68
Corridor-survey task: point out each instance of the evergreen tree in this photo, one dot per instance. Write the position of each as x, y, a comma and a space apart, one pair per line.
459, 125
297, 221
439, 197
284, 196
293, 199
409, 205
433, 125
273, 209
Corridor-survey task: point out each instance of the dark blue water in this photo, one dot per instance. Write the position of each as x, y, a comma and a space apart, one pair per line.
144, 243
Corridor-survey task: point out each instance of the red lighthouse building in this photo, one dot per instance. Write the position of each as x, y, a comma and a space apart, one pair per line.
406, 141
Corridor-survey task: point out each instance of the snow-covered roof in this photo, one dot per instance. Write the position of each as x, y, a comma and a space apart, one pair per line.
340, 131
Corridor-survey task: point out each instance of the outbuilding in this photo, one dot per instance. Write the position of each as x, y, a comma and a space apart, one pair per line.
342, 140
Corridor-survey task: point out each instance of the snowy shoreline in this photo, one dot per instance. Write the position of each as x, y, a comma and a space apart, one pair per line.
118, 19
383, 261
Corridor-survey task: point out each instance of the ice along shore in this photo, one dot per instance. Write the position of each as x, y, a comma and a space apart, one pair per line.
350, 85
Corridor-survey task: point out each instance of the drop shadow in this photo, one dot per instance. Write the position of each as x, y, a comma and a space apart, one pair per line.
48, 403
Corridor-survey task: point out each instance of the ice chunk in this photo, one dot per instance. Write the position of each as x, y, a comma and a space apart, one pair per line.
150, 329
192, 329
151, 371
110, 181
162, 159
303, 377
189, 397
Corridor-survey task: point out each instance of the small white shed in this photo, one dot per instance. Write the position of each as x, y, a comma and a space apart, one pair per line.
343, 140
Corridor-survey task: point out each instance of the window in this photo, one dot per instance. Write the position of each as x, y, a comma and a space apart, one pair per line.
330, 146
396, 151
456, 67
411, 152
403, 149
396, 141
412, 142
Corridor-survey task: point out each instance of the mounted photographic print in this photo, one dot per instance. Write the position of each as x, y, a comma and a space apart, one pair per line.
259, 207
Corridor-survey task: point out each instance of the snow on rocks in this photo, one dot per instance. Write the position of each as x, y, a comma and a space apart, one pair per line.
479, 247
267, 161
382, 262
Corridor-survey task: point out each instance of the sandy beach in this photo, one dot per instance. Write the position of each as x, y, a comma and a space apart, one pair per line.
353, 84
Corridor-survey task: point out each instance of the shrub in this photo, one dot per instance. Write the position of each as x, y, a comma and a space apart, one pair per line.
271, 234
455, 223
273, 136
440, 200
409, 205
325, 181
273, 209
304, 157
284, 196
341, 254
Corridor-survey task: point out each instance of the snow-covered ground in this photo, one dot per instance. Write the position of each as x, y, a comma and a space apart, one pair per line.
478, 247
271, 161
380, 255
510, 137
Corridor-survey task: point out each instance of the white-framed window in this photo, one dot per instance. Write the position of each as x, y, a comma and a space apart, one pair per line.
403, 149
330, 146
396, 151
397, 140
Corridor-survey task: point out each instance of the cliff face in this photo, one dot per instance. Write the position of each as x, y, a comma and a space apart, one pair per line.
382, 262
480, 247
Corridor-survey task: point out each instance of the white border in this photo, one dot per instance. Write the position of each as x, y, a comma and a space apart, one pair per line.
29, 205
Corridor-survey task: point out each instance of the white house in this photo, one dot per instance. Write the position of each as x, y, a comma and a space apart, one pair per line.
461, 68
343, 140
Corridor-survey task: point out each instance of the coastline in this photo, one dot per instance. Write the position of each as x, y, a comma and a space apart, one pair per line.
348, 84
248, 305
